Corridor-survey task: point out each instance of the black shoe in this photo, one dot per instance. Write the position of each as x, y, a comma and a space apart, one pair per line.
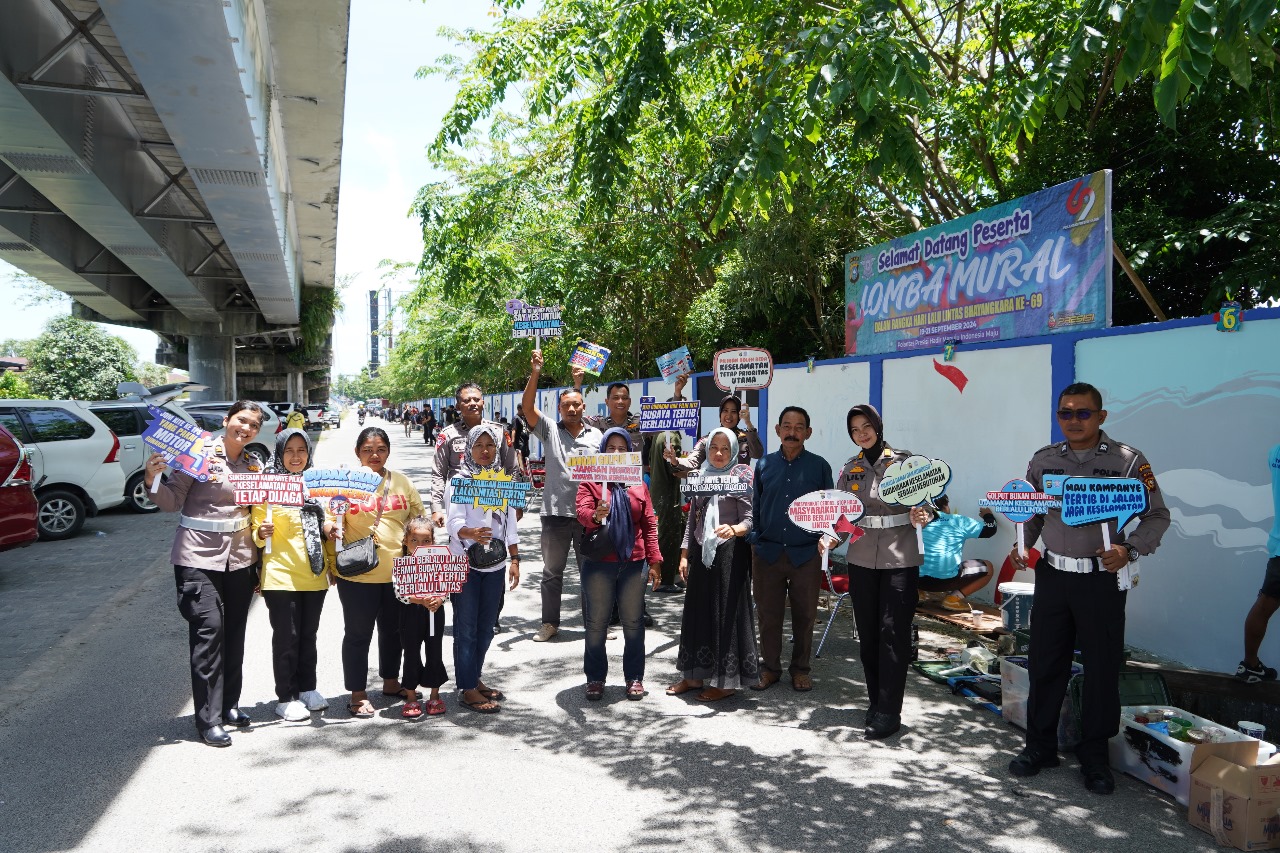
216, 736
1030, 761
236, 717
1254, 674
498, 629
882, 725
647, 619
1098, 778
668, 589
867, 715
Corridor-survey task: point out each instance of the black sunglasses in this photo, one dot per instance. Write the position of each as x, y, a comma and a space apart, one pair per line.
1078, 414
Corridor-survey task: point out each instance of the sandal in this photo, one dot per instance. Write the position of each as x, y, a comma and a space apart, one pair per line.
411, 711
684, 685
801, 682
435, 707
362, 710
714, 694
492, 693
484, 706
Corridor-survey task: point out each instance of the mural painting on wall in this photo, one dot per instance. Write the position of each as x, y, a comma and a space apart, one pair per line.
1032, 266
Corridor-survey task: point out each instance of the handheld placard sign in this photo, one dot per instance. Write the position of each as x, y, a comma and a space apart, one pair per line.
182, 444
736, 481
493, 491
1018, 501
432, 571
606, 468
913, 481
671, 416
533, 321
1092, 500
346, 484
746, 368
253, 489
675, 364
826, 511
590, 357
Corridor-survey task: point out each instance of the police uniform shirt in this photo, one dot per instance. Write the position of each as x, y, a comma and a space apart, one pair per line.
879, 547
1109, 459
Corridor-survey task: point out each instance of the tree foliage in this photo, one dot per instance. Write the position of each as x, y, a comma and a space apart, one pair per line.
14, 387
674, 171
75, 360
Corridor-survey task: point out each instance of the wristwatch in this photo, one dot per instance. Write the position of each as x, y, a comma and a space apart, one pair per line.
1131, 551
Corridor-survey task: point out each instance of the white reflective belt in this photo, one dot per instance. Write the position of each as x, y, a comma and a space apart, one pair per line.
209, 525
880, 521
1079, 565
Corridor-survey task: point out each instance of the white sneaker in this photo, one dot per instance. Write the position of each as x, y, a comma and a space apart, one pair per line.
546, 632
314, 700
294, 712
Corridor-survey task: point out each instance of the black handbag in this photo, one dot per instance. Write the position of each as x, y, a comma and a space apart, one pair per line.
597, 545
487, 556
361, 556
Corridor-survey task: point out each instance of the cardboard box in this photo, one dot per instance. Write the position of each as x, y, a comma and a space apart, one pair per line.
1015, 685
1167, 763
1238, 804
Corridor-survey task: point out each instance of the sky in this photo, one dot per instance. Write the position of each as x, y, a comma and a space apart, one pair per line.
390, 119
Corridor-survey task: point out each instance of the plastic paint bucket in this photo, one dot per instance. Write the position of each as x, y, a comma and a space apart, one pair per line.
1017, 599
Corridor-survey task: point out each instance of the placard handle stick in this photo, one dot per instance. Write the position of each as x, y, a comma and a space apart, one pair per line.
268, 548
1022, 541
155, 484
919, 535
431, 623
537, 341
337, 545
1106, 537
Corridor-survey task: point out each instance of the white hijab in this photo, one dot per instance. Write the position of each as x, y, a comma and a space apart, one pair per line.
710, 542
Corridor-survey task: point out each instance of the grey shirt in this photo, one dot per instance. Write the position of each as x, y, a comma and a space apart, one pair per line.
879, 547
560, 494
734, 509
212, 500
1109, 459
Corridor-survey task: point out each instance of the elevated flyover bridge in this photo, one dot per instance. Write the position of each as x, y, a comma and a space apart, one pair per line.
173, 165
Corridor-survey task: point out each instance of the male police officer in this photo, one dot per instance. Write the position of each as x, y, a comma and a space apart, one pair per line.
1077, 597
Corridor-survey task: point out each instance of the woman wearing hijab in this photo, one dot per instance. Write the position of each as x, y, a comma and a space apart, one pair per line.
295, 577
884, 568
489, 539
627, 514
717, 636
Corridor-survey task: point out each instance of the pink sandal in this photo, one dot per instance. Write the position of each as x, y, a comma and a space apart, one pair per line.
412, 710
435, 707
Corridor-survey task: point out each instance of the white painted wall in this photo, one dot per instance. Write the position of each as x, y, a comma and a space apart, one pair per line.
826, 394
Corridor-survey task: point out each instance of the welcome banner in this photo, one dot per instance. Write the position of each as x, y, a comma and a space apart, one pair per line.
1032, 266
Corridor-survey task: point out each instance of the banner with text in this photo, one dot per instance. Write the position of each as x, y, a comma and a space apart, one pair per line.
432, 571
675, 415
605, 468
1032, 266
590, 357
533, 321
278, 489
675, 364
184, 446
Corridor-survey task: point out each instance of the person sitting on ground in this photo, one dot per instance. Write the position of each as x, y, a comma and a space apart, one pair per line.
417, 631
944, 569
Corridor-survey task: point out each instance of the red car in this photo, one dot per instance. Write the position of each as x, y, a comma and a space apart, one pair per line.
17, 499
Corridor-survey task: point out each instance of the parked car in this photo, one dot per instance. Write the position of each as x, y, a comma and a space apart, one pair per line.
315, 416
334, 416
75, 459
210, 414
17, 498
128, 418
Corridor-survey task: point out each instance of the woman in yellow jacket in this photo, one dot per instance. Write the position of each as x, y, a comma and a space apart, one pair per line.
369, 599
295, 577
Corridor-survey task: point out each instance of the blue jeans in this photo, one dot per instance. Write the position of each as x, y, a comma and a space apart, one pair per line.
603, 585
475, 609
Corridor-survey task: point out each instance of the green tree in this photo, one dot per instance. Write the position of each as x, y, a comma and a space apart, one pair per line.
150, 374
74, 359
14, 387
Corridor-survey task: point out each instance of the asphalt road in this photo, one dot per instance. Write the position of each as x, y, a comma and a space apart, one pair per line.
98, 753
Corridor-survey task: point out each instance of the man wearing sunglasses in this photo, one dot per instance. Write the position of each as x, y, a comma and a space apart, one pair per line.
1078, 602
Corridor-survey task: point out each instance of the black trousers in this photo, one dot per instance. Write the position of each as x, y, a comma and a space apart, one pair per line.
1084, 611
414, 634
295, 621
365, 605
884, 605
216, 607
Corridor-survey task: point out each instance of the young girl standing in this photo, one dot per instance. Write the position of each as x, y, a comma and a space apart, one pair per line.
421, 622
294, 580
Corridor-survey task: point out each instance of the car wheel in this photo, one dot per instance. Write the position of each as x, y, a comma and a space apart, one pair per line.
136, 496
60, 515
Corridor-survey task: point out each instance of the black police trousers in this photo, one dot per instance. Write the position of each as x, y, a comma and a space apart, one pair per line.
216, 607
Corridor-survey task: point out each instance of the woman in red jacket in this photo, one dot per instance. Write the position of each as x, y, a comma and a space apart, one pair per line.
618, 576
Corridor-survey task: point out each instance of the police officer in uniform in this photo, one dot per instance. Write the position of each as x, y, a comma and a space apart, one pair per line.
1078, 602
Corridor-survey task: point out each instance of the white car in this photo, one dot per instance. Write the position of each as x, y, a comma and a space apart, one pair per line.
128, 418
75, 459
210, 414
